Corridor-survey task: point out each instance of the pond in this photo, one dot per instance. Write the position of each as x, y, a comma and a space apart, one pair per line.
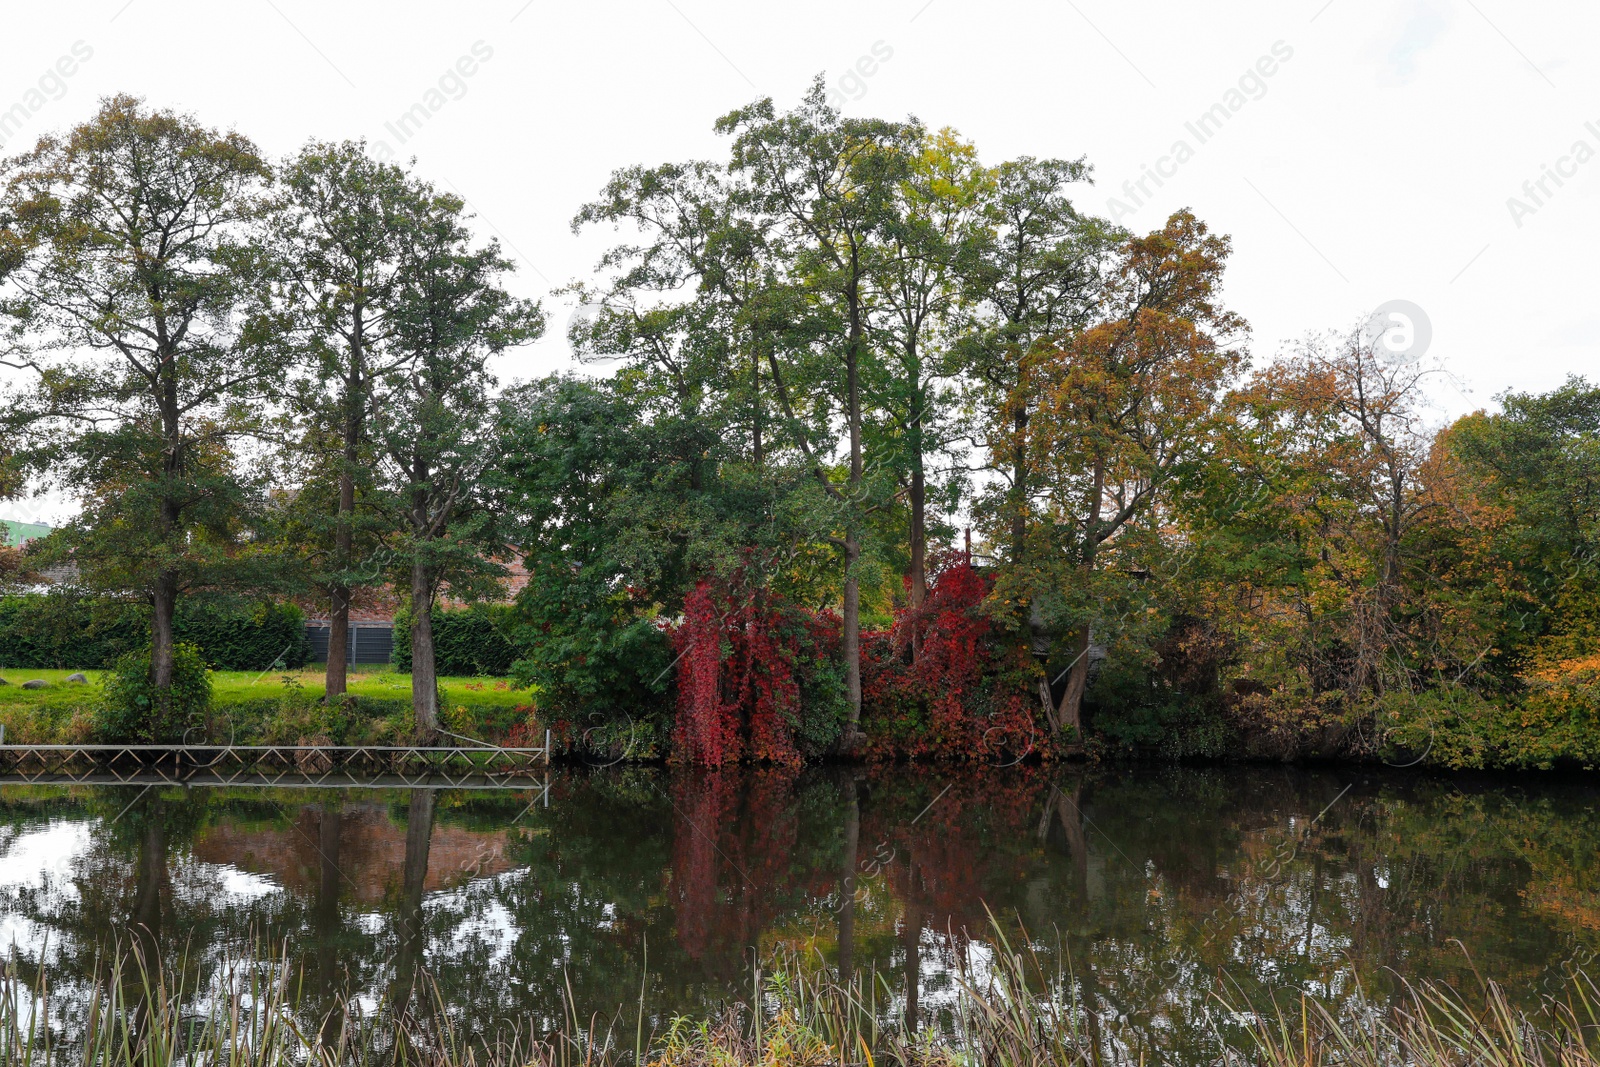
1156, 887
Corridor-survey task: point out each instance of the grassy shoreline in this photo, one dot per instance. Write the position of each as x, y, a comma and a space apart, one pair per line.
273, 705
283, 706
229, 687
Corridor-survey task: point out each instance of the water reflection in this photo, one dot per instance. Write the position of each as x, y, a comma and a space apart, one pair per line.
1153, 886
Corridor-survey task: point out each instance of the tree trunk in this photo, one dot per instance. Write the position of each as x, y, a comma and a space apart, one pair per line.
336, 677
164, 605
852, 550
1048, 704
1019, 485
424, 676
1393, 532
852, 642
847, 879
336, 674
918, 593
164, 599
755, 405
413, 879
1069, 716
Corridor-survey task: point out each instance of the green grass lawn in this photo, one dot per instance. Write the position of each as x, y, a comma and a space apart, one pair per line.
379, 682
58, 691
234, 687
57, 712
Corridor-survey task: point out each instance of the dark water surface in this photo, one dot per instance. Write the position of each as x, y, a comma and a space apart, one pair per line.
1149, 883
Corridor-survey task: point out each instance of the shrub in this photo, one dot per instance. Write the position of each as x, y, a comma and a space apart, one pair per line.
758, 678
61, 630
245, 637
1162, 697
970, 692
1559, 719
1177, 729
135, 711
594, 667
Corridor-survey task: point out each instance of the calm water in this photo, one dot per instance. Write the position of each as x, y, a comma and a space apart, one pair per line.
1155, 881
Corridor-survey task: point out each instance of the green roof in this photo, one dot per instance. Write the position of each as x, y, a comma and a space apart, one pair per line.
18, 532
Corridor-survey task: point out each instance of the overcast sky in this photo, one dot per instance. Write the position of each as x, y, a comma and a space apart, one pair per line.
1363, 151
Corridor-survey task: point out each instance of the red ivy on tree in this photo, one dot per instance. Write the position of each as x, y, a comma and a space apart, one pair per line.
738, 697
966, 694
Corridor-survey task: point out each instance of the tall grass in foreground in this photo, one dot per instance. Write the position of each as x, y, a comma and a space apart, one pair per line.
1015, 1016
1434, 1025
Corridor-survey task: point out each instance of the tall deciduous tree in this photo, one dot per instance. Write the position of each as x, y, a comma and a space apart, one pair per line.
1537, 463
128, 261
435, 423
827, 184
683, 304
340, 232
1036, 280
1358, 423
932, 229
1123, 406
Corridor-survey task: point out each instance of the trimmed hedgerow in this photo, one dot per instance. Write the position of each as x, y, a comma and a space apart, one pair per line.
250, 637
62, 631
467, 642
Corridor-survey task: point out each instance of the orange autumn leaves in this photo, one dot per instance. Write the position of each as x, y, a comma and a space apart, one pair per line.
1123, 402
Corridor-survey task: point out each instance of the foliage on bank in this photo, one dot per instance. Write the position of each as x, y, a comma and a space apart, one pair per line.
733, 543
63, 630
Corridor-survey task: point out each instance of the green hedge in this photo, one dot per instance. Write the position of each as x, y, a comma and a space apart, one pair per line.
248, 637
466, 643
58, 631
61, 631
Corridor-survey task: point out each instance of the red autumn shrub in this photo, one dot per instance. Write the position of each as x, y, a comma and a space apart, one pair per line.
754, 678
945, 682
761, 680
705, 727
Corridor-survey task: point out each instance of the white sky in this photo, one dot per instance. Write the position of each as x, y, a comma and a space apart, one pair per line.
1376, 165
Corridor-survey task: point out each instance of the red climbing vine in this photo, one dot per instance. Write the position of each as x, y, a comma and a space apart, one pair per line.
964, 694
760, 679
743, 656
705, 728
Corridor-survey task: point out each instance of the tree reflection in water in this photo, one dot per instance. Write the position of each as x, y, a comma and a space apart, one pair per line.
1152, 885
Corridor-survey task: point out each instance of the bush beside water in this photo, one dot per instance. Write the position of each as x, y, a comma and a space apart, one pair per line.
134, 711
